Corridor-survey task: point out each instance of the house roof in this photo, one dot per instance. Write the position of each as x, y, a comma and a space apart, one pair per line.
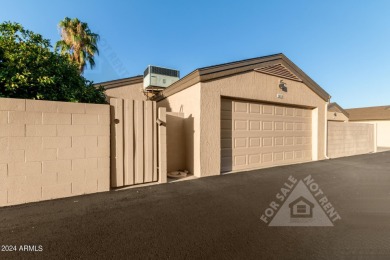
301, 198
121, 82
278, 65
287, 69
369, 113
334, 107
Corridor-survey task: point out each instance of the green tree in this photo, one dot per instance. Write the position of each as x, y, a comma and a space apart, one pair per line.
29, 69
78, 42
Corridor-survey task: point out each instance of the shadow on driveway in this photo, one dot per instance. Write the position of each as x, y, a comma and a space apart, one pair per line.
213, 217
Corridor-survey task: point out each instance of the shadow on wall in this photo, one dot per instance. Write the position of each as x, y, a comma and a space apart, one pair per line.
176, 142
226, 136
180, 142
189, 137
180, 139
113, 135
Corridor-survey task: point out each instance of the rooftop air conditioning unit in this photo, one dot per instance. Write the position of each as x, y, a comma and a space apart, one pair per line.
159, 78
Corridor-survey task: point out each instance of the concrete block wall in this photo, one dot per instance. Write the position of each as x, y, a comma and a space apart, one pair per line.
382, 131
52, 150
347, 139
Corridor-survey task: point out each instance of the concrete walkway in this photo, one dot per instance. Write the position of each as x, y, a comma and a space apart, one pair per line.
211, 218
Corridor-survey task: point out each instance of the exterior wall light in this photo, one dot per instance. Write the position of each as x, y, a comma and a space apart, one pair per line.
282, 86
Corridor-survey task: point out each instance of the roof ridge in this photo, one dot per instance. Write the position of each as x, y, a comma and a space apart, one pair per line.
228, 69
386, 106
238, 61
117, 80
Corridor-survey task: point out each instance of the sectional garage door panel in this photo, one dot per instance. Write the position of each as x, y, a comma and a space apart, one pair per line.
255, 135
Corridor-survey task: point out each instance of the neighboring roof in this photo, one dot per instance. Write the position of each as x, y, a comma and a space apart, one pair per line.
232, 68
334, 107
369, 113
121, 82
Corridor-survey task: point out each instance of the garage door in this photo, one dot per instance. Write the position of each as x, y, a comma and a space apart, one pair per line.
255, 135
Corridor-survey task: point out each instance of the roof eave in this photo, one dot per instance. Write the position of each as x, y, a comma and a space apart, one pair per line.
307, 80
121, 82
185, 82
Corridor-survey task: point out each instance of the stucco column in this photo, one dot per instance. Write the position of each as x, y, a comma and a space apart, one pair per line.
210, 132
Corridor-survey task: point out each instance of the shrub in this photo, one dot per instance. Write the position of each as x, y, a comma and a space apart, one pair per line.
30, 70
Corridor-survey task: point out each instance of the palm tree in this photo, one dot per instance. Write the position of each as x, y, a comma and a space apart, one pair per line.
78, 42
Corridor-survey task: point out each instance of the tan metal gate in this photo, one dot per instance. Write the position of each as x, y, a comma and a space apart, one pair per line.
138, 142
255, 135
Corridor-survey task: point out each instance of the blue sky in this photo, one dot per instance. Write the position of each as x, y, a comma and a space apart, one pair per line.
343, 45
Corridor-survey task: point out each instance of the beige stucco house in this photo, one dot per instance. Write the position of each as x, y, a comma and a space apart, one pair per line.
242, 115
128, 88
337, 113
379, 116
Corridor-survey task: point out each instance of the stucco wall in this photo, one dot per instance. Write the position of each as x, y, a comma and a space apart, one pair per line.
133, 91
382, 132
253, 86
338, 117
52, 150
176, 138
188, 102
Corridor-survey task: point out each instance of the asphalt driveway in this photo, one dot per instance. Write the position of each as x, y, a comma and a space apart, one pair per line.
211, 218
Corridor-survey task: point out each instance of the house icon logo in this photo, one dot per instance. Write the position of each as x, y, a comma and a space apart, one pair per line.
301, 208
300, 203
